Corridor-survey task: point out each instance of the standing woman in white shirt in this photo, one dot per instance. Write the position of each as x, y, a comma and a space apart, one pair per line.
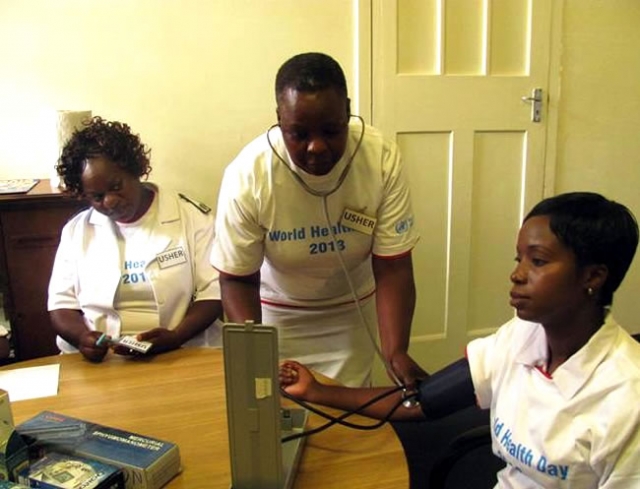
314, 231
137, 261
562, 379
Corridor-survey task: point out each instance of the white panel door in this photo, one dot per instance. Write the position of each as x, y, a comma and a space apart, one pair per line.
449, 77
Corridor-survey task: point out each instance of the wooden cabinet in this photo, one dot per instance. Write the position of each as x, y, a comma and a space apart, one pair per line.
30, 226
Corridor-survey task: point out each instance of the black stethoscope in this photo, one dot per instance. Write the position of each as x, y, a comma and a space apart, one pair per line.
304, 184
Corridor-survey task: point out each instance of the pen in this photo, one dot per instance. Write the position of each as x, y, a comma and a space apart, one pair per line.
103, 337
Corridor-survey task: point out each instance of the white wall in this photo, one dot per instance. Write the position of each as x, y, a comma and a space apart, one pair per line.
193, 77
599, 117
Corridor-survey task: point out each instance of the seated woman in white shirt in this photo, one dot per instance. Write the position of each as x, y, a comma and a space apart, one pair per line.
136, 262
562, 378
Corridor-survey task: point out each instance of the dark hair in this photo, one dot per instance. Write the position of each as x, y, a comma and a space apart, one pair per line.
597, 230
310, 72
112, 140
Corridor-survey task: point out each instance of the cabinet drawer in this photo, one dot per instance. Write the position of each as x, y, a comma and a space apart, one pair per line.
34, 226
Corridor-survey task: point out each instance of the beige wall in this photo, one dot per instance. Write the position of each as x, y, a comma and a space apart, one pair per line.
193, 77
599, 116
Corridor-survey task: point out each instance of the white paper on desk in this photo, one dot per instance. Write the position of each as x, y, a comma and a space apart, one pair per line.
30, 382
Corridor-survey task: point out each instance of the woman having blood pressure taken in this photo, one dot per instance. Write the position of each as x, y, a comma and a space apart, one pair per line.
562, 378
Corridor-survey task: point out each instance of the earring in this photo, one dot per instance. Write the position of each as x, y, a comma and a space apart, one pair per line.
590, 291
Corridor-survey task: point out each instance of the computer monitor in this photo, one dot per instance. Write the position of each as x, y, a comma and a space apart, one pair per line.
255, 419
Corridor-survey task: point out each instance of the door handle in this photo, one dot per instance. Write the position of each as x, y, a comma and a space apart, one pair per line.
536, 104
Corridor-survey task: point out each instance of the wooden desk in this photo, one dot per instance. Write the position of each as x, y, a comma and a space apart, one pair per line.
180, 397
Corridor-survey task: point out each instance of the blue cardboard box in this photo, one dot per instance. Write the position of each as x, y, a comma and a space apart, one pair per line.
147, 463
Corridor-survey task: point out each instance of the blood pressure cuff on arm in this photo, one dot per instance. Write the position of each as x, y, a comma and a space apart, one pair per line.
447, 391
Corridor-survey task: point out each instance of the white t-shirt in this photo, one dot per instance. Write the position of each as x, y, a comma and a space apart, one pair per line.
578, 428
267, 221
134, 299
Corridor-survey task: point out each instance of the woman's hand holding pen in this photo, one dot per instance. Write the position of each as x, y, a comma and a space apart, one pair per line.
89, 346
126, 345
